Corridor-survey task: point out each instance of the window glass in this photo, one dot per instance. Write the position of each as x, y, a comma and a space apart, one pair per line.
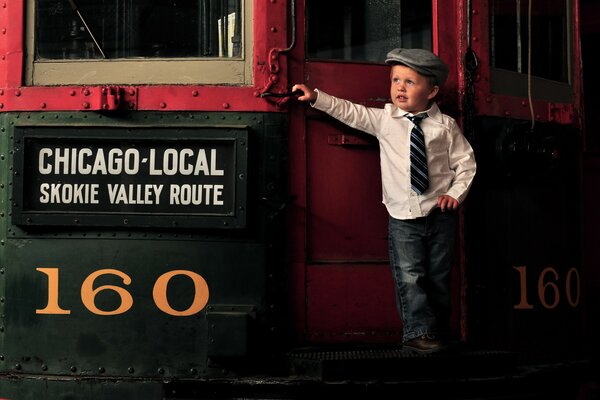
93, 29
549, 33
91, 42
365, 30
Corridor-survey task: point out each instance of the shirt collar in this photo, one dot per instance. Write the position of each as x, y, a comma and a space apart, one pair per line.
433, 112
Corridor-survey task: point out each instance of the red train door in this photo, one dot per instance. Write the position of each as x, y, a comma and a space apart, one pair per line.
343, 284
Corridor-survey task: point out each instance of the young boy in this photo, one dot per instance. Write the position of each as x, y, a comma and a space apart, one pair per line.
427, 167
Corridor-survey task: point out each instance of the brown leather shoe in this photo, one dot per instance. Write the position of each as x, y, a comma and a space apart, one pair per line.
425, 344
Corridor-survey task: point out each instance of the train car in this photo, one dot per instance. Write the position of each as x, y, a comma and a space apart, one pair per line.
175, 225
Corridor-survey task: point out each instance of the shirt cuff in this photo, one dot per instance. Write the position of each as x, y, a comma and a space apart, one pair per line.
322, 102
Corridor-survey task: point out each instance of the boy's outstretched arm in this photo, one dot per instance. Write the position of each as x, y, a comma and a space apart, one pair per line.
309, 94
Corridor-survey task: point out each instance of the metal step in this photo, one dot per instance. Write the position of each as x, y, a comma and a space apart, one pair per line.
398, 364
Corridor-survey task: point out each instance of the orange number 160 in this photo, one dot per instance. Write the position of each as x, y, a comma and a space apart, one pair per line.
159, 293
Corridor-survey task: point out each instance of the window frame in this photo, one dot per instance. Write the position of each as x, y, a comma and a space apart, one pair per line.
209, 70
512, 83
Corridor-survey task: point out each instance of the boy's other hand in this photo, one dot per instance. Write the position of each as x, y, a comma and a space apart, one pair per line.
446, 202
309, 94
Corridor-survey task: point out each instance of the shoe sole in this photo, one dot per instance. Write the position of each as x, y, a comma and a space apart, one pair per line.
423, 351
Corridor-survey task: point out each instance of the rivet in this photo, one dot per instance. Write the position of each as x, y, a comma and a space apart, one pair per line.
475, 38
1, 105
195, 93
43, 105
104, 90
17, 92
1, 92
225, 105
72, 93
86, 92
130, 370
507, 113
273, 29
488, 99
193, 371
73, 368
163, 104
161, 371
17, 366
86, 105
105, 106
131, 92
101, 370
4, 31
44, 367
475, 12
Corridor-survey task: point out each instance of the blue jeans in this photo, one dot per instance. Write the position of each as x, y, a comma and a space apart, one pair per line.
421, 252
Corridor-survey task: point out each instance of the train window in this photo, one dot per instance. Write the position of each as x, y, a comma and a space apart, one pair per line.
137, 41
550, 46
365, 30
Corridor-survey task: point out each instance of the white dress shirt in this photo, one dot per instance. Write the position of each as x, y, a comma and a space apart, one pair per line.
450, 158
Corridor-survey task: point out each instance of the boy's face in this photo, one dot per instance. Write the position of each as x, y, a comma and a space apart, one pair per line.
410, 90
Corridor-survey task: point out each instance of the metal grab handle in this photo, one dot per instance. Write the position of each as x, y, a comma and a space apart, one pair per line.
296, 92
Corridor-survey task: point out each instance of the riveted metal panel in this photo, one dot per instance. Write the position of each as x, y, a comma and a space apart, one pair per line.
123, 301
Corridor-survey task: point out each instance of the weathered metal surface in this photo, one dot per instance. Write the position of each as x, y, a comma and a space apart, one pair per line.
116, 301
270, 32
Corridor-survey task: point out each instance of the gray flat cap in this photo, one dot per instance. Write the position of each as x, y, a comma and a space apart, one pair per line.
422, 61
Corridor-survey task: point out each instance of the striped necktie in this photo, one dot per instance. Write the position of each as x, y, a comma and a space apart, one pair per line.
419, 178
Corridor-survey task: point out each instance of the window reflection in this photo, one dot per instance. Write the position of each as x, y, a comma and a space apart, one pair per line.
365, 30
90, 29
549, 33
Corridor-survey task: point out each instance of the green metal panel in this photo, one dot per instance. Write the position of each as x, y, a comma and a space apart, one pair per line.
55, 388
57, 281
